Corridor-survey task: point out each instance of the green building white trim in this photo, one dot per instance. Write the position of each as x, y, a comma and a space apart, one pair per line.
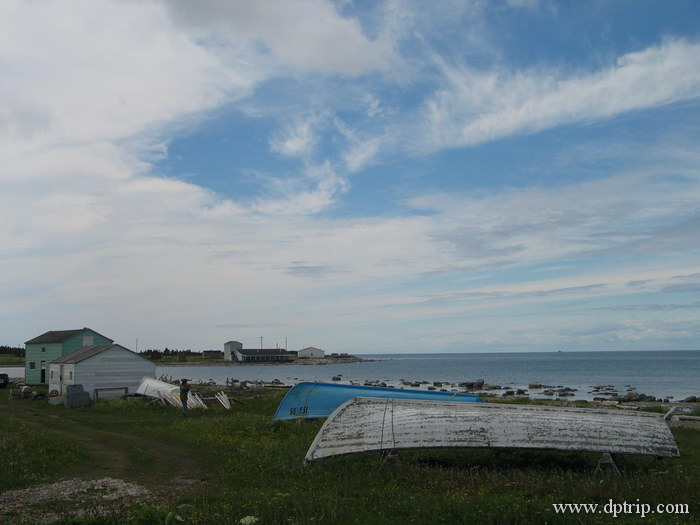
43, 349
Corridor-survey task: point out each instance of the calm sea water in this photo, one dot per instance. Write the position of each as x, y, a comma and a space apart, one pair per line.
660, 374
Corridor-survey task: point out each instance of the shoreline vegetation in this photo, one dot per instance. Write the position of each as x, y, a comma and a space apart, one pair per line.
134, 461
220, 362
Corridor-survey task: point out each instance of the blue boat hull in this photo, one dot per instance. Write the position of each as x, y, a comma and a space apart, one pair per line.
319, 400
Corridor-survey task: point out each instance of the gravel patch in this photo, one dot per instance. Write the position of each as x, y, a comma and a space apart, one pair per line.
75, 497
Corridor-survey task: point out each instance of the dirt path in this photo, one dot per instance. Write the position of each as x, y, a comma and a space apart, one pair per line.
123, 468
125, 455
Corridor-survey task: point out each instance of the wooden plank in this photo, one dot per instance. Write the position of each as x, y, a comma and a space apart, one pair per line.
195, 401
223, 399
364, 424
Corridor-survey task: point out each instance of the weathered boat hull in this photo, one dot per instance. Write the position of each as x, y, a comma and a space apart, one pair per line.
366, 424
319, 400
154, 388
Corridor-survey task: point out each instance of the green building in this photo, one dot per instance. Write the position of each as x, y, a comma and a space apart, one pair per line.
43, 349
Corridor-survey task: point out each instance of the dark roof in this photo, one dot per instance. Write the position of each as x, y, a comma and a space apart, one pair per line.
264, 351
54, 336
57, 336
83, 353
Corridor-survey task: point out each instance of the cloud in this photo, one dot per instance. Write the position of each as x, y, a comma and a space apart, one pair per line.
529, 4
576, 221
94, 91
297, 140
302, 269
360, 154
654, 307
480, 105
318, 39
115, 69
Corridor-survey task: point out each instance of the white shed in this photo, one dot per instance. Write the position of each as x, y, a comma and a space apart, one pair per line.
311, 352
100, 366
230, 350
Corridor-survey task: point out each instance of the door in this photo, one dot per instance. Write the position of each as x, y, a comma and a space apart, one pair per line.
43, 372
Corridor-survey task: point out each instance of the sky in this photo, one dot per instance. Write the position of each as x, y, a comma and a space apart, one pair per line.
390, 176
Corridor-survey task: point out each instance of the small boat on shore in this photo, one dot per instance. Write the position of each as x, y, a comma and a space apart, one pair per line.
366, 424
152, 387
318, 400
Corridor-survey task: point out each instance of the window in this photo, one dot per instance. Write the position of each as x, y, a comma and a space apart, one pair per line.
32, 365
51, 374
87, 340
43, 349
71, 375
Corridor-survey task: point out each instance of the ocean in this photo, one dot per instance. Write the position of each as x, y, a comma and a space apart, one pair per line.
662, 374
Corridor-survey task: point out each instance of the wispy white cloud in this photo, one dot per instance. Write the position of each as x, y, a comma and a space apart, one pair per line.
361, 153
296, 140
576, 221
480, 105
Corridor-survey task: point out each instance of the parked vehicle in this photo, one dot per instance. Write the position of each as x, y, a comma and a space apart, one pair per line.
4, 380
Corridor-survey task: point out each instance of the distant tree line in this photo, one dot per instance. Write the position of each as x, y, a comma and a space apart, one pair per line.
155, 354
11, 350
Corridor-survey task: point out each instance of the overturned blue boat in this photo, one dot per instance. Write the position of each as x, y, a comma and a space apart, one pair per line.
318, 400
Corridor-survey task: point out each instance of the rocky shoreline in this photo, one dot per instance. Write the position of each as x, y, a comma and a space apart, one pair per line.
600, 393
603, 394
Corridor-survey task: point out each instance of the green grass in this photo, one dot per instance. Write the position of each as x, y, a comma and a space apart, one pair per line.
11, 360
31, 454
247, 465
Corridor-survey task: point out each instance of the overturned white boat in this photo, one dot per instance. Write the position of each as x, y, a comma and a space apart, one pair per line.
370, 424
154, 388
168, 393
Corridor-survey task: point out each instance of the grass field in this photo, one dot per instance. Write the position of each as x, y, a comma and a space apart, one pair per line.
222, 466
11, 360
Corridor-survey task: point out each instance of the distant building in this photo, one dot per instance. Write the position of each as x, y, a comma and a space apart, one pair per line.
234, 351
262, 355
212, 354
311, 353
100, 366
47, 347
230, 349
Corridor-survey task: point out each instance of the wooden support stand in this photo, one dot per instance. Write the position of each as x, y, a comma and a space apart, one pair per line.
607, 464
